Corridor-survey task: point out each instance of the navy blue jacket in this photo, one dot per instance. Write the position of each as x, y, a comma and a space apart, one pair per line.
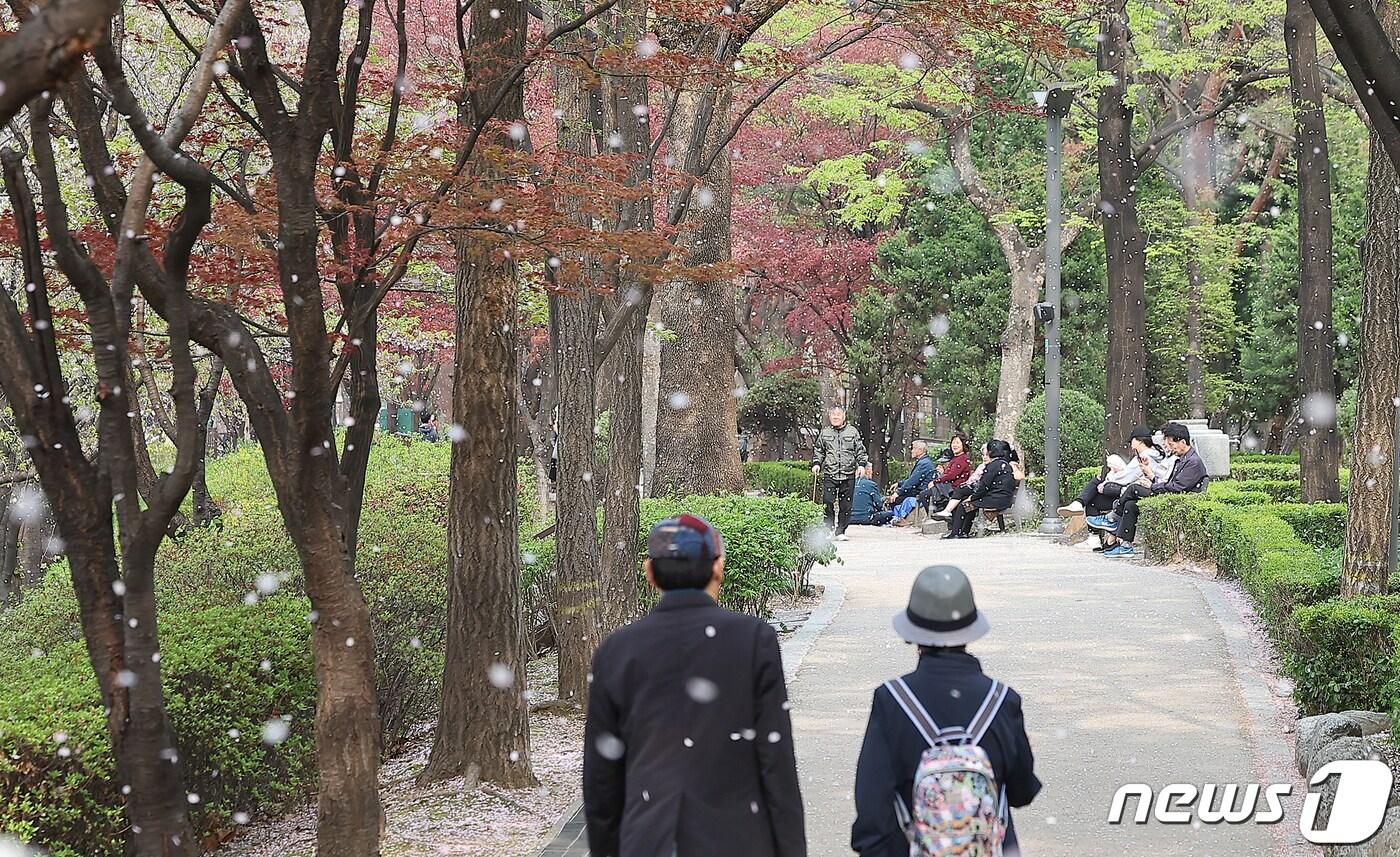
951, 686
688, 744
867, 501
918, 478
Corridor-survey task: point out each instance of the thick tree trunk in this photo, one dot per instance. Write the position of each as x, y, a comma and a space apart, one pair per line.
483, 726
697, 449
573, 335
1364, 569
627, 101
1321, 444
1123, 238
1018, 343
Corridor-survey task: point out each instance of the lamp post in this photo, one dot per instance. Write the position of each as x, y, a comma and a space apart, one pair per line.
1056, 100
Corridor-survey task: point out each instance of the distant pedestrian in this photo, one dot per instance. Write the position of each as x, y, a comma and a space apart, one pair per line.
428, 429
946, 754
688, 744
839, 457
743, 449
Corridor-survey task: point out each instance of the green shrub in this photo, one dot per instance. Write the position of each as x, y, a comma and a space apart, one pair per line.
1278, 490
1078, 479
1262, 457
1322, 525
401, 566
769, 542
1247, 468
1231, 494
1081, 433
1343, 654
779, 478
61, 794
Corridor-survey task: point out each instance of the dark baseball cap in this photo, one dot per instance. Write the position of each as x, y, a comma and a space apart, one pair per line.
1142, 433
685, 537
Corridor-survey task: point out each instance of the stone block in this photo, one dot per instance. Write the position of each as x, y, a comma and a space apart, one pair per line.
1213, 446
1316, 733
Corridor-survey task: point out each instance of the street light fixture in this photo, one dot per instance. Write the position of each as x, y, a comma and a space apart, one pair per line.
1055, 100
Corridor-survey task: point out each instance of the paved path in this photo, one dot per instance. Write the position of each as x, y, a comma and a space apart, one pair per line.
1129, 674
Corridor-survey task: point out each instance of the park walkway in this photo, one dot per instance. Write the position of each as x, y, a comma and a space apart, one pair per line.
1129, 673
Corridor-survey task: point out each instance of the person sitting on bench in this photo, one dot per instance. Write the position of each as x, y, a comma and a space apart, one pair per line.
1100, 494
903, 498
995, 491
1188, 475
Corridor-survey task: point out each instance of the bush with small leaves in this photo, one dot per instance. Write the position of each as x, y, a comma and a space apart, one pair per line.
240, 691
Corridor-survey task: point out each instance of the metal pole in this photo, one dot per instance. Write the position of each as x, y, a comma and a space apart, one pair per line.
1054, 134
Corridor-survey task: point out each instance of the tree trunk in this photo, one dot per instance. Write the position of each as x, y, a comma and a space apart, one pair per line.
483, 726
205, 509
573, 335
1365, 570
697, 449
1018, 344
1123, 238
627, 100
1321, 444
651, 399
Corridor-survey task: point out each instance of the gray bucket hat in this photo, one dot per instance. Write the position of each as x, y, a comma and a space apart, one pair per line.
941, 610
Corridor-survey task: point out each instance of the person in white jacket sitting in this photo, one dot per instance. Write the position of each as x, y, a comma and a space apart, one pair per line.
1098, 496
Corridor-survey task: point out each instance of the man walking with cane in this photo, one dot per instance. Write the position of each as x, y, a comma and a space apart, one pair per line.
839, 458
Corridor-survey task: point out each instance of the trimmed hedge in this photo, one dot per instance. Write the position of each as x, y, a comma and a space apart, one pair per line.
779, 478
227, 671
1247, 468
1344, 655
1322, 525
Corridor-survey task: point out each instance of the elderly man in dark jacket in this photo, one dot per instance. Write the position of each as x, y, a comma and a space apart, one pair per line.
948, 683
688, 744
1188, 475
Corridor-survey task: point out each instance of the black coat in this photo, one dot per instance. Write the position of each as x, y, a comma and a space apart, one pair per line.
951, 687
688, 747
997, 487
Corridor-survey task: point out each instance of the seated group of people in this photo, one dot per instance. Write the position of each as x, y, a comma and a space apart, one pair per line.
949, 483
1110, 502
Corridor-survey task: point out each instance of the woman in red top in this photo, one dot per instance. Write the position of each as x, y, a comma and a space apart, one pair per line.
951, 474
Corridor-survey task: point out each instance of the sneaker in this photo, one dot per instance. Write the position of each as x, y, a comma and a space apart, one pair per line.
1103, 548
842, 537
1118, 551
1071, 510
1102, 522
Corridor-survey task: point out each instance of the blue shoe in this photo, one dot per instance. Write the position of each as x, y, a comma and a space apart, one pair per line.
1101, 522
1122, 550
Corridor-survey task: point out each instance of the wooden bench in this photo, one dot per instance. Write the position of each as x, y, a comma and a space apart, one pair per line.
989, 517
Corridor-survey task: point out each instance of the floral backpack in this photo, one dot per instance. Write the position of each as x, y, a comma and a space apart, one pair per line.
957, 808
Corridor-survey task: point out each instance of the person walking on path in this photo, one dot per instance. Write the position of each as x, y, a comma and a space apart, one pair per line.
946, 704
688, 743
839, 458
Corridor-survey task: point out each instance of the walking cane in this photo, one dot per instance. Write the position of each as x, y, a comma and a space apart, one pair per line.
816, 478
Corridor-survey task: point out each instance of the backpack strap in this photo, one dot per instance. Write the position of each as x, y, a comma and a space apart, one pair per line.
982, 721
915, 711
